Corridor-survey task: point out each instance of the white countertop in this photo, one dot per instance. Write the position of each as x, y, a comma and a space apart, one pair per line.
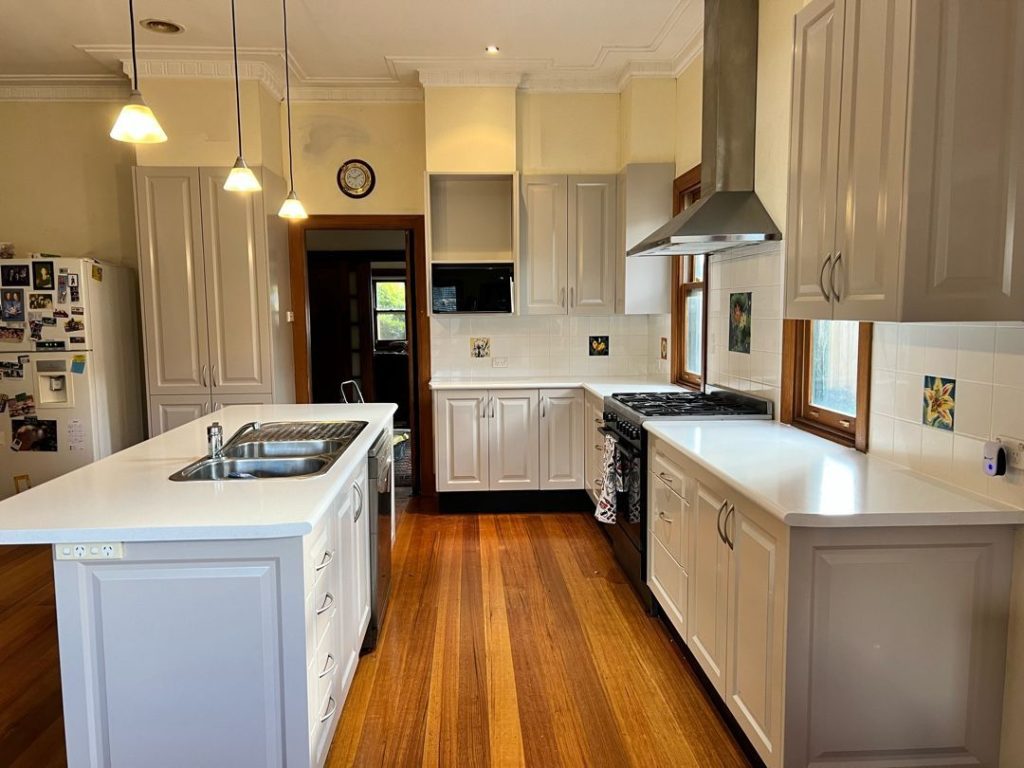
600, 386
128, 497
808, 481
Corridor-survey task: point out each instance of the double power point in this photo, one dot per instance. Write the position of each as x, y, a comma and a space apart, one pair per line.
106, 550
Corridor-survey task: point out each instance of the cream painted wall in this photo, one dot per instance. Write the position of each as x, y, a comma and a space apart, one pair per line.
689, 94
67, 185
648, 121
389, 136
470, 129
568, 132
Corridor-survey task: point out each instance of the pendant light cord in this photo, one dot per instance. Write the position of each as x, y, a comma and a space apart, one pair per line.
238, 90
135, 63
288, 98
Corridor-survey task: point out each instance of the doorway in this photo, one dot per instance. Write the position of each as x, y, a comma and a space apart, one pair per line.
362, 281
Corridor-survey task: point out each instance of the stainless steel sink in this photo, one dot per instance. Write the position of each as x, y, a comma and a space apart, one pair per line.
277, 450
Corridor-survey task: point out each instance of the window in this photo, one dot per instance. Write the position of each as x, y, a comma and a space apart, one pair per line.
389, 311
689, 308
827, 366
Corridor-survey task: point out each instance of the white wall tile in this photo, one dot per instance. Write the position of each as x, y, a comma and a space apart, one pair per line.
936, 452
975, 348
940, 351
1009, 360
906, 443
880, 435
973, 413
967, 455
885, 345
909, 397
1008, 412
883, 391
912, 343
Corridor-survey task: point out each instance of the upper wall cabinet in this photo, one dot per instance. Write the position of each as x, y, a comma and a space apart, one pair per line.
906, 152
568, 232
645, 203
472, 217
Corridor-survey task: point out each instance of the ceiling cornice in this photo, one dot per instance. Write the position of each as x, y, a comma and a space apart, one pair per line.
63, 88
358, 94
470, 77
209, 69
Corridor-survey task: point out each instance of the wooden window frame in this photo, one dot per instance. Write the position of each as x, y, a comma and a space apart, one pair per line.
384, 278
685, 192
796, 407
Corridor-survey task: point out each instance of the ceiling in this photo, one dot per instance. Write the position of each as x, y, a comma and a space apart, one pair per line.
545, 44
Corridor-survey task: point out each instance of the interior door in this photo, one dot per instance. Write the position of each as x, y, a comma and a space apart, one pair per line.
562, 441
173, 280
592, 245
708, 582
513, 431
461, 436
236, 282
545, 287
813, 159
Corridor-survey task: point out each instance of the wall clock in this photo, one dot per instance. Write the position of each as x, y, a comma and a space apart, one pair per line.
356, 178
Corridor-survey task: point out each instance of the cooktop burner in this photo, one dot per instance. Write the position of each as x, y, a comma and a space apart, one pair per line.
715, 404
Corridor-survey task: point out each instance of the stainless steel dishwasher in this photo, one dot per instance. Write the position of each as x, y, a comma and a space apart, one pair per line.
381, 508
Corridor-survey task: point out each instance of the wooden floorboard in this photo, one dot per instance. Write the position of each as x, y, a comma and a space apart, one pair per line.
511, 640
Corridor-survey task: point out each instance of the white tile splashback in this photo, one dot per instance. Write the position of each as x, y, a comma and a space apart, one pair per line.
987, 362
549, 346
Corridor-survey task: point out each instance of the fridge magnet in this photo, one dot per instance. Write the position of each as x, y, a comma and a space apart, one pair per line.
34, 435
36, 329
9, 335
42, 275
50, 346
664, 348
77, 362
74, 325
73, 288
6, 250
97, 273
60, 313
62, 287
939, 408
739, 322
598, 346
14, 275
22, 406
22, 483
13, 305
23, 359
78, 310
76, 340
40, 301
76, 435
3, 402
48, 320
480, 346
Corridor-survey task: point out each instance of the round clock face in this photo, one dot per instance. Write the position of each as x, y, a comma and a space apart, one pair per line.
356, 178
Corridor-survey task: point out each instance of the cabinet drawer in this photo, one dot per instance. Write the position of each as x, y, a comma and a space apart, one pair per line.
669, 472
669, 519
325, 667
669, 582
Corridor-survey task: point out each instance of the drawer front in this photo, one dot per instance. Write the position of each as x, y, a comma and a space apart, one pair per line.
668, 580
326, 665
669, 472
669, 519
325, 607
322, 729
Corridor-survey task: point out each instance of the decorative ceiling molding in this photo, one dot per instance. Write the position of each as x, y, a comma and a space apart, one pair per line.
209, 69
358, 94
689, 53
470, 77
63, 88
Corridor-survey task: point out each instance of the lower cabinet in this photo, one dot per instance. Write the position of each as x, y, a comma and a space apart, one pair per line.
508, 439
708, 587
593, 448
169, 411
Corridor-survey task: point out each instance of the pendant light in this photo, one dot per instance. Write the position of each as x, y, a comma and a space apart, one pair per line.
136, 124
292, 207
241, 178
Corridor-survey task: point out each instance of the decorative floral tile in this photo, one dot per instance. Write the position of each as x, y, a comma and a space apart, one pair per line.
479, 346
939, 408
739, 322
599, 346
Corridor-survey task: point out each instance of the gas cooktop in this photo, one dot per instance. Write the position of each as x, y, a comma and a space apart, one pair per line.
715, 404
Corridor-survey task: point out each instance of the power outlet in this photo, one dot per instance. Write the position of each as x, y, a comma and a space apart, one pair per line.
101, 550
1014, 452
499, 362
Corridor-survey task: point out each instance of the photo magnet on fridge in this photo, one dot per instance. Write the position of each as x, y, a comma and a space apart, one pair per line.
62, 287
12, 305
74, 325
11, 335
34, 435
40, 301
42, 275
78, 364
14, 275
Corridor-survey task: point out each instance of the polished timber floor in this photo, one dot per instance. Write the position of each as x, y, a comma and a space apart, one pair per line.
510, 640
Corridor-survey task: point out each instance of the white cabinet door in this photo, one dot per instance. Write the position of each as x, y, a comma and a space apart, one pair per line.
709, 574
172, 280
512, 417
813, 158
461, 441
755, 666
562, 439
361, 558
169, 411
544, 288
592, 245
221, 400
348, 610
236, 282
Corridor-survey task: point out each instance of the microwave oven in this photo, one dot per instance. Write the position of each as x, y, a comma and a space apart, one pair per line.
472, 288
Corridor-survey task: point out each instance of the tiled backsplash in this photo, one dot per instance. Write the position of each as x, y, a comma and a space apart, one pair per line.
986, 362
549, 346
758, 271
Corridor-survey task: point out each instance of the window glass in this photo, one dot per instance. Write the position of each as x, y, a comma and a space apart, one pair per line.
698, 268
833, 366
694, 317
391, 326
389, 294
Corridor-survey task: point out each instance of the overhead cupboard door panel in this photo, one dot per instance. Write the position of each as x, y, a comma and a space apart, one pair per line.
543, 239
236, 279
592, 244
173, 280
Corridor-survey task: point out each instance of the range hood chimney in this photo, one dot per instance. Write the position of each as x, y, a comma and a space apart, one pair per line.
729, 214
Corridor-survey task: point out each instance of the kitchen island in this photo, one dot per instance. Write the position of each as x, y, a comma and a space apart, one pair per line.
206, 623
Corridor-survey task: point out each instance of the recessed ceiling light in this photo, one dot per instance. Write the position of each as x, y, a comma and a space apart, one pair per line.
492, 49
161, 26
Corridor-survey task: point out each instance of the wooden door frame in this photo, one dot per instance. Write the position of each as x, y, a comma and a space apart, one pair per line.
684, 184
420, 416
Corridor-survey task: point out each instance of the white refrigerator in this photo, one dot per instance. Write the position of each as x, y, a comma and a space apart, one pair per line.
70, 370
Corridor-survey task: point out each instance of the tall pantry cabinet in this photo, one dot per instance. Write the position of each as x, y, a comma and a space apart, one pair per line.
213, 272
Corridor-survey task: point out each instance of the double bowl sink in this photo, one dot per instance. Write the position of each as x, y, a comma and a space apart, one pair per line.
277, 450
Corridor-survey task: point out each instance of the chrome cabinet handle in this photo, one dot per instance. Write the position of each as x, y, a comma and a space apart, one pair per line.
661, 514
599, 483
666, 477
213, 378
202, 376
359, 506
821, 278
832, 275
543, 407
326, 606
332, 707
561, 295
718, 523
327, 559
725, 526
492, 407
329, 666
572, 296
599, 422
599, 447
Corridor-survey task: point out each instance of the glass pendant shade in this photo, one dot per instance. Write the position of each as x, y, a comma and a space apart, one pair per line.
137, 124
292, 208
241, 178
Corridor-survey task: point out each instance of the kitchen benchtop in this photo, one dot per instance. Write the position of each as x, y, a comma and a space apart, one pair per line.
807, 481
600, 386
128, 496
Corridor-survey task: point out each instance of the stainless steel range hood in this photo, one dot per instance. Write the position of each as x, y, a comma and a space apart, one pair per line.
729, 214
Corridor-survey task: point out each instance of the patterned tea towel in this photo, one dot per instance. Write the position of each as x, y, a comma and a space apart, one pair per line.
605, 511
